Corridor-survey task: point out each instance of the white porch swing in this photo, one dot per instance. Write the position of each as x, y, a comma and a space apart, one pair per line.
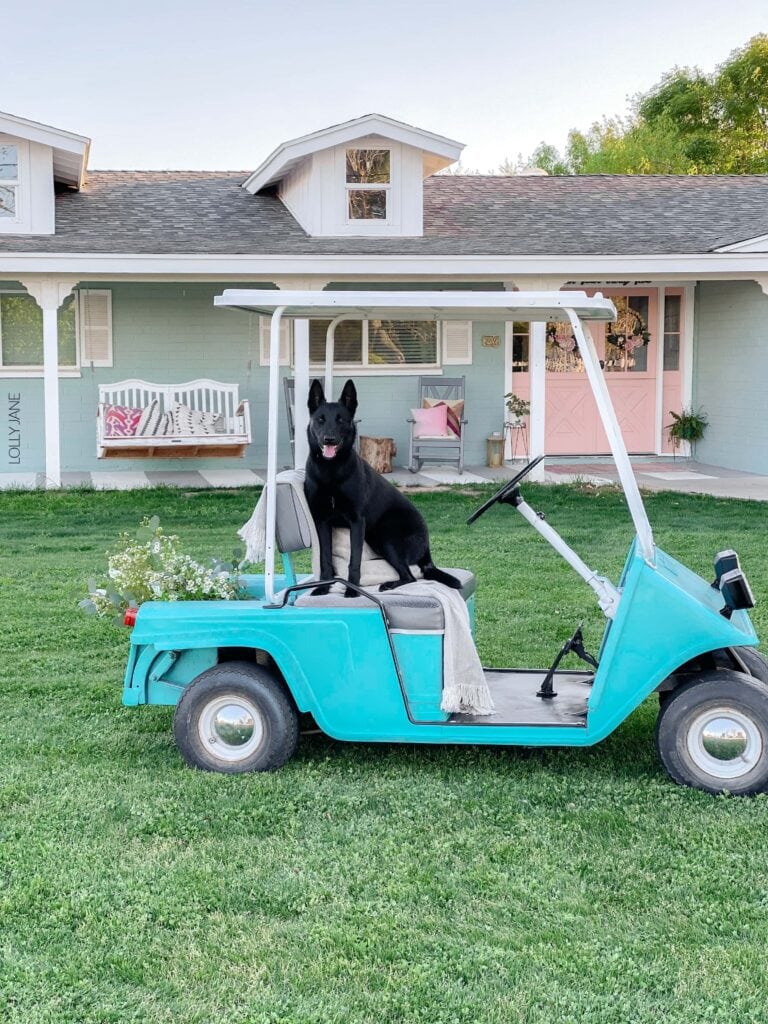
216, 422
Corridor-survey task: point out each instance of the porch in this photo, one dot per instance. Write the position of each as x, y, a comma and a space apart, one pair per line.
169, 332
684, 476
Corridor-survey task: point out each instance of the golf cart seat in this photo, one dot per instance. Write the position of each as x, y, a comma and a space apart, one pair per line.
295, 532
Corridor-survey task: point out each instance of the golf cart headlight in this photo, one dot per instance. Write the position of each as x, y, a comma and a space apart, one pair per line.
725, 561
736, 592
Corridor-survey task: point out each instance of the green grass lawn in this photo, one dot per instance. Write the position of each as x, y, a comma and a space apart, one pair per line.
361, 883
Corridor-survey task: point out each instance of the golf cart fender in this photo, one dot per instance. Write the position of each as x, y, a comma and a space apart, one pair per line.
158, 673
667, 616
336, 666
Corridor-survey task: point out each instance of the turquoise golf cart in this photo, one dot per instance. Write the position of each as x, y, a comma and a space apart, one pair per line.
369, 668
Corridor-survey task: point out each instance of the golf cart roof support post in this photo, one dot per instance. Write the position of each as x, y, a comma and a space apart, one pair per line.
274, 388
330, 341
300, 392
613, 431
607, 595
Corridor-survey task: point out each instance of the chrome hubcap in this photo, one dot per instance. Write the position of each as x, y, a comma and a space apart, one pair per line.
724, 742
231, 727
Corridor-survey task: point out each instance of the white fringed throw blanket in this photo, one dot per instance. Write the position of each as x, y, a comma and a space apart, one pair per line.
465, 689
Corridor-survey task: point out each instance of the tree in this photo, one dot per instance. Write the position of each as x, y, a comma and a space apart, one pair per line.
688, 123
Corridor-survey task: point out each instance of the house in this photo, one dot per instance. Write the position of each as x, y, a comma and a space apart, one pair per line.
108, 276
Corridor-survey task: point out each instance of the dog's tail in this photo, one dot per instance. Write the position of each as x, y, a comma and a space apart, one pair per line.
430, 572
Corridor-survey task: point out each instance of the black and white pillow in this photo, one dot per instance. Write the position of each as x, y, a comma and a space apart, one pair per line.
150, 419
188, 422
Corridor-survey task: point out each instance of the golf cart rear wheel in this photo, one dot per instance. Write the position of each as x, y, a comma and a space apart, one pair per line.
712, 733
236, 717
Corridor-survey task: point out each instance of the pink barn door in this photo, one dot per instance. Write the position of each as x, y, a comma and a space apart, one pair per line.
572, 424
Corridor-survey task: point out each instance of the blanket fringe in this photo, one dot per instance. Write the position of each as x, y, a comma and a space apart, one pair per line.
254, 532
468, 699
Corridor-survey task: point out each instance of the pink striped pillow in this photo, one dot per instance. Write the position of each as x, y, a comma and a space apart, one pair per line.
121, 420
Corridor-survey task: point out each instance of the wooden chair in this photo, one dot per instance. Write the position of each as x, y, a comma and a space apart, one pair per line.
445, 448
289, 391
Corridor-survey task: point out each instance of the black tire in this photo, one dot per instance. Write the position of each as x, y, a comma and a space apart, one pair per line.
236, 717
712, 733
754, 661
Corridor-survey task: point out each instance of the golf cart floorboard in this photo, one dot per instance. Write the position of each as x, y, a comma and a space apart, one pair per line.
514, 695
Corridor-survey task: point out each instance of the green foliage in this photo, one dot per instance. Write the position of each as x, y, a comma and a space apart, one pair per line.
150, 567
688, 123
382, 883
519, 407
688, 425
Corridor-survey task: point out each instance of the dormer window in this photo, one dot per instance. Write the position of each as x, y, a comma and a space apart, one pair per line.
366, 168
9, 180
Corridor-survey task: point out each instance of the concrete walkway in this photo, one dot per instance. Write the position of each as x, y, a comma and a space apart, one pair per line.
653, 474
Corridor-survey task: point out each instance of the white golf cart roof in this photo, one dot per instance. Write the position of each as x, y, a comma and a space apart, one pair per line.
535, 307
379, 305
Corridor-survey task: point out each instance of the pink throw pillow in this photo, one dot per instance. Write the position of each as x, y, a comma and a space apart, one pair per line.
430, 422
121, 420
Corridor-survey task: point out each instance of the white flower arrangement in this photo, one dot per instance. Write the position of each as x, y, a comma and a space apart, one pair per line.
151, 568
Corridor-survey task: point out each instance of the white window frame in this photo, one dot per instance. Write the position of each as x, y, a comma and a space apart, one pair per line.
36, 370
368, 186
12, 183
19, 223
368, 369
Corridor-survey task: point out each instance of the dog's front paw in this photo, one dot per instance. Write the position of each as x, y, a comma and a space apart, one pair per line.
392, 584
349, 592
321, 591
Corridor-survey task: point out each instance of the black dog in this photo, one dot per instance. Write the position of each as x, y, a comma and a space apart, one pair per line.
343, 490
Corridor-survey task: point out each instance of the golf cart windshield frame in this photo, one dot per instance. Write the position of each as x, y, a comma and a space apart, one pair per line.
577, 307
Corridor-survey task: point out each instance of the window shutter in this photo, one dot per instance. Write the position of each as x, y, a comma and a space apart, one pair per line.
457, 342
95, 326
265, 325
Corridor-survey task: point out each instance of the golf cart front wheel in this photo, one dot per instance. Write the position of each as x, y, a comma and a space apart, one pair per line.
712, 733
235, 717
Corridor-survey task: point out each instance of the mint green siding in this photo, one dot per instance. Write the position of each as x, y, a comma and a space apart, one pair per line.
170, 332
730, 373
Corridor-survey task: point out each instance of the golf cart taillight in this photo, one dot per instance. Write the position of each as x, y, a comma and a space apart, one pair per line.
129, 619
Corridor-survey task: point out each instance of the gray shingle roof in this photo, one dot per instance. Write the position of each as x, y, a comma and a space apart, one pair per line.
208, 212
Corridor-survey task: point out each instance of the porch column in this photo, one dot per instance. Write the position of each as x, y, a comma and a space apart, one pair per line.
538, 371
49, 293
301, 366
301, 390
537, 355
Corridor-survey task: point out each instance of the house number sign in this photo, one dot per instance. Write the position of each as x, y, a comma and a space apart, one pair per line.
490, 341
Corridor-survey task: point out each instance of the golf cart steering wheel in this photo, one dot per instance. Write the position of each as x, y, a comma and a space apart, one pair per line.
506, 490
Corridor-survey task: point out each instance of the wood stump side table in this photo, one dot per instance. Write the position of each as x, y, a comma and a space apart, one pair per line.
378, 452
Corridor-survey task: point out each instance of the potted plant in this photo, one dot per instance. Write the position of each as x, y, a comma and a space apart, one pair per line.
687, 425
519, 407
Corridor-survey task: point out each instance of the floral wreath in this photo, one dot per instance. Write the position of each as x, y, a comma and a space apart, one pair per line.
561, 334
628, 331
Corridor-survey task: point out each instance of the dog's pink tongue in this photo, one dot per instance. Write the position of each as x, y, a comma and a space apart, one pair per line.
329, 451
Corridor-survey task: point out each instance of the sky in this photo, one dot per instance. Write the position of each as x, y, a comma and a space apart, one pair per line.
203, 85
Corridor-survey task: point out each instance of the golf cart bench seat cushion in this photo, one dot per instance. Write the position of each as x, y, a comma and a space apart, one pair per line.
404, 611
292, 531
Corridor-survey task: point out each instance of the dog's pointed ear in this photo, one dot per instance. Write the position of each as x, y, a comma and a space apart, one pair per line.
349, 397
316, 396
